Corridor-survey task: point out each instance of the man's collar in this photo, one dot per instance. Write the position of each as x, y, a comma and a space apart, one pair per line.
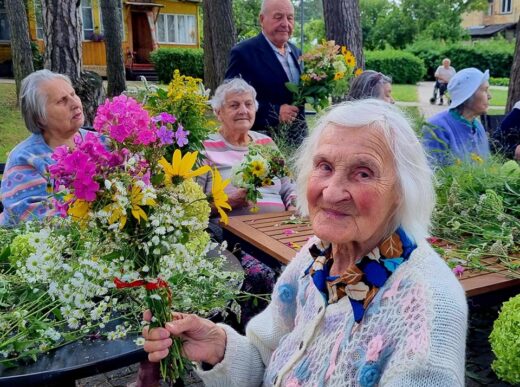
287, 48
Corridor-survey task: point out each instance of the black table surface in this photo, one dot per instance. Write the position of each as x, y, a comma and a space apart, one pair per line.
74, 361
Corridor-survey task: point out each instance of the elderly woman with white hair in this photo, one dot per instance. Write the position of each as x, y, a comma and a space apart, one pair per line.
367, 301
457, 134
53, 113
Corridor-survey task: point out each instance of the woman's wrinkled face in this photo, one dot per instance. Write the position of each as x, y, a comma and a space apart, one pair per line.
237, 114
353, 189
480, 100
63, 107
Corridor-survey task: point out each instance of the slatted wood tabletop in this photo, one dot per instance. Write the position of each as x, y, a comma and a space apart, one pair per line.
279, 236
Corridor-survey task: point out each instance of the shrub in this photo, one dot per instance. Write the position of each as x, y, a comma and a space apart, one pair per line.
188, 61
498, 81
402, 66
495, 55
505, 342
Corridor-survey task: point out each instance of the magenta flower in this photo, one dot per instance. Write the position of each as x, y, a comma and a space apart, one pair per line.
458, 270
145, 137
288, 231
181, 136
165, 135
165, 118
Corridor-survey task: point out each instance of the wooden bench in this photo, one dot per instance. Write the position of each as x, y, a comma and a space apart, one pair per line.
275, 238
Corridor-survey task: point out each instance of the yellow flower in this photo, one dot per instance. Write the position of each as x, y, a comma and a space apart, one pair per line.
350, 59
181, 166
338, 76
305, 77
267, 182
79, 210
254, 209
136, 200
116, 215
358, 72
476, 158
220, 198
344, 50
258, 168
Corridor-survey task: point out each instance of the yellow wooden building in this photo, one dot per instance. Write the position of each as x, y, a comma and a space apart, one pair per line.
147, 25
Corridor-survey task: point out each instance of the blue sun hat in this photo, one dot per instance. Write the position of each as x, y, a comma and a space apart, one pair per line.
464, 84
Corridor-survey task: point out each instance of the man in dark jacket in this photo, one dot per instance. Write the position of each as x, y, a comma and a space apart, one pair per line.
267, 62
507, 134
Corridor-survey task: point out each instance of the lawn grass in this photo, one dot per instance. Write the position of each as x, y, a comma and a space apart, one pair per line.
405, 93
12, 127
498, 97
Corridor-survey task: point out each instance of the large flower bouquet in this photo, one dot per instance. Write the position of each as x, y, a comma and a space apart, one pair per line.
478, 214
327, 69
132, 237
259, 167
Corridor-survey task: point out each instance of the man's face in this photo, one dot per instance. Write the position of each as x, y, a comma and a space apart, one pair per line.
277, 21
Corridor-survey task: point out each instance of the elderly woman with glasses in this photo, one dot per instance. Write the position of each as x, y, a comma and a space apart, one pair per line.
53, 113
366, 301
457, 134
371, 84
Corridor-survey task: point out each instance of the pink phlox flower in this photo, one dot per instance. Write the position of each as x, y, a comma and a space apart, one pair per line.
60, 152
181, 136
374, 348
165, 118
145, 137
288, 231
85, 187
458, 270
146, 178
165, 135
60, 207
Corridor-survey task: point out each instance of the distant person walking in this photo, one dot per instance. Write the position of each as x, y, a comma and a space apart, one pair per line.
443, 74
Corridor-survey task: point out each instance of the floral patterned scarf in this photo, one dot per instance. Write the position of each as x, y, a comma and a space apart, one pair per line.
361, 281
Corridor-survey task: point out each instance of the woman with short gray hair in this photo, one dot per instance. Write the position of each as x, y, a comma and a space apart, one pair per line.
53, 113
366, 301
371, 84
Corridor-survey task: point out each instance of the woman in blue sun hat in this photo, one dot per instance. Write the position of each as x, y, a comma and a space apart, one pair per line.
456, 135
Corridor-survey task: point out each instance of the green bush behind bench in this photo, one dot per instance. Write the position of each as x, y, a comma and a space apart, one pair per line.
188, 61
402, 66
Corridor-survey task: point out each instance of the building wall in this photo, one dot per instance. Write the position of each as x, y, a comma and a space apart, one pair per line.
481, 18
94, 55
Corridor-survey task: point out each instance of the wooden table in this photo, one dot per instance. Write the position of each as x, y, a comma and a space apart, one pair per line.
275, 238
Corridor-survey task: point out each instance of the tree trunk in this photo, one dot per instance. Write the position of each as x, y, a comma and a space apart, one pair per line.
219, 38
343, 24
20, 41
514, 79
62, 31
111, 11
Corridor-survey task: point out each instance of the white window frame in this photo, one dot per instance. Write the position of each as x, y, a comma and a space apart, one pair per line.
506, 6
38, 23
83, 29
490, 8
3, 12
176, 17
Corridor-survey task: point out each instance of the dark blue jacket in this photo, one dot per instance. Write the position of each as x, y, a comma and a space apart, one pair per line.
255, 62
508, 134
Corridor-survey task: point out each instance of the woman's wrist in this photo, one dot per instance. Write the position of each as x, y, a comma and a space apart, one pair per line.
220, 348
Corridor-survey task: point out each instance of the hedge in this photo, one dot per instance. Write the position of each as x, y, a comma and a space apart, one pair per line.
188, 61
498, 81
495, 55
402, 66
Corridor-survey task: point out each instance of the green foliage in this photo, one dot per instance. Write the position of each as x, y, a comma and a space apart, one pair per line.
245, 14
504, 341
495, 55
187, 61
37, 56
404, 93
402, 66
496, 81
12, 126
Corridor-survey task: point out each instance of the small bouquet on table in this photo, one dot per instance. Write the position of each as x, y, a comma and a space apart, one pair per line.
327, 70
259, 168
133, 236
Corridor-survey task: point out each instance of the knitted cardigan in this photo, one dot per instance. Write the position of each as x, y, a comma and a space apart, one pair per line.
447, 138
23, 190
225, 156
413, 333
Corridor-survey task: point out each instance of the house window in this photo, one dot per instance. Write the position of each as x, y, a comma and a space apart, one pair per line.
86, 18
4, 24
39, 19
490, 8
506, 6
181, 29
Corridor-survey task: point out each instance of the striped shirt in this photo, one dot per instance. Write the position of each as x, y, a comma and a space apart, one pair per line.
223, 155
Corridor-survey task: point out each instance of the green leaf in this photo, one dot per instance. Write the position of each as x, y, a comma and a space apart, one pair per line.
293, 87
